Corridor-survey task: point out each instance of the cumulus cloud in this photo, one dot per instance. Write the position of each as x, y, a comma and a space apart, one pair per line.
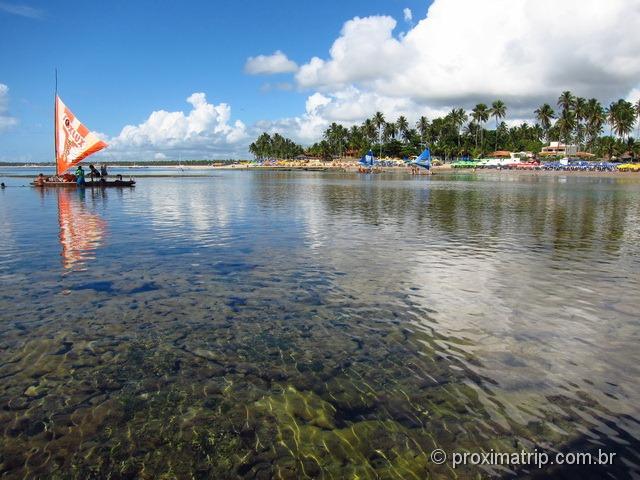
270, 64
520, 51
205, 130
349, 106
6, 120
462, 52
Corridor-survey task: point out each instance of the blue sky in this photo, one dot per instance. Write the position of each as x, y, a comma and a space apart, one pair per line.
119, 61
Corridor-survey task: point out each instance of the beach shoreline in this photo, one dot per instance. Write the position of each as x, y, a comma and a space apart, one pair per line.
347, 169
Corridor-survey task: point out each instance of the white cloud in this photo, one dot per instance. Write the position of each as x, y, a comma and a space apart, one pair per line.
21, 10
349, 106
634, 95
270, 64
466, 51
463, 52
6, 120
205, 130
408, 15
160, 156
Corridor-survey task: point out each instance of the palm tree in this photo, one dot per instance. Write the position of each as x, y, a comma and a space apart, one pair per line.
499, 111
566, 101
403, 126
621, 116
580, 106
337, 136
544, 114
637, 109
480, 114
595, 118
390, 131
566, 123
423, 127
378, 121
369, 130
458, 117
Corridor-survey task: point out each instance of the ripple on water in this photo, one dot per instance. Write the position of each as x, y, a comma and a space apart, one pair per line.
283, 324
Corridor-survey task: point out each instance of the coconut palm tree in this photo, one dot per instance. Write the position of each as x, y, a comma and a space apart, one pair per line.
475, 120
403, 126
544, 114
566, 124
390, 131
378, 121
480, 114
621, 117
579, 108
423, 128
458, 117
499, 111
566, 101
637, 109
595, 118
369, 130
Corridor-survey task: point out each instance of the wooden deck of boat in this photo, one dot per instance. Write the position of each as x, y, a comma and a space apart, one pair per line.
92, 184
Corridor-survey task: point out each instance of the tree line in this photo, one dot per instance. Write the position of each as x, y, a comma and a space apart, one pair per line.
459, 133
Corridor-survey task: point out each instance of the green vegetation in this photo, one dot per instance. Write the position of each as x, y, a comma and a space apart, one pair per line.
459, 133
267, 146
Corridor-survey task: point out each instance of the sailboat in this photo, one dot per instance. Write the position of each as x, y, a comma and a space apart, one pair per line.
73, 143
423, 160
367, 163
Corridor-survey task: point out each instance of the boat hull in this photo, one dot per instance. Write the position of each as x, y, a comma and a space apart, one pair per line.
92, 184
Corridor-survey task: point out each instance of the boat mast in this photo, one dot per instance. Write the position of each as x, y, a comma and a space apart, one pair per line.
55, 123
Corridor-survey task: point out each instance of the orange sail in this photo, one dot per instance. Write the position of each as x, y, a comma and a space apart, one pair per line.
74, 141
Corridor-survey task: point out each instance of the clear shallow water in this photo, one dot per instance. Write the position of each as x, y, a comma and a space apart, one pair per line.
283, 324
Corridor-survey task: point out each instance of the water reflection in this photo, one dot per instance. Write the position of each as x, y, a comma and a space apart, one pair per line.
81, 230
289, 325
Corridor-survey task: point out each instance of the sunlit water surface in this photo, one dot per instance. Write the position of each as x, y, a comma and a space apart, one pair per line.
291, 325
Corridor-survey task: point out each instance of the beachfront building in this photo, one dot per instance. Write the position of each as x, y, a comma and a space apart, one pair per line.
559, 149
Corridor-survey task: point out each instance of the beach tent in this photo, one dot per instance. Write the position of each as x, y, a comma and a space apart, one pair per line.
424, 159
368, 160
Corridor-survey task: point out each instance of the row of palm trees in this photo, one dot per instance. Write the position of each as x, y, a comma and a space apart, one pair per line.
577, 121
267, 146
581, 121
377, 130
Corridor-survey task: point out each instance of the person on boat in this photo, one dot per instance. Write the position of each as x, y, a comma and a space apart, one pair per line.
80, 175
39, 181
103, 170
93, 172
2, 185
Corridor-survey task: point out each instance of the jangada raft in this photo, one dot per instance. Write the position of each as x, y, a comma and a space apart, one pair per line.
73, 143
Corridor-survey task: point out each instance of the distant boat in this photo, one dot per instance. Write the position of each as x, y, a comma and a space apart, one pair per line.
367, 163
424, 159
73, 143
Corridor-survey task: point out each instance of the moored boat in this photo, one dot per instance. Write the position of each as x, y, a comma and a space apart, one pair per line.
89, 184
367, 164
73, 143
